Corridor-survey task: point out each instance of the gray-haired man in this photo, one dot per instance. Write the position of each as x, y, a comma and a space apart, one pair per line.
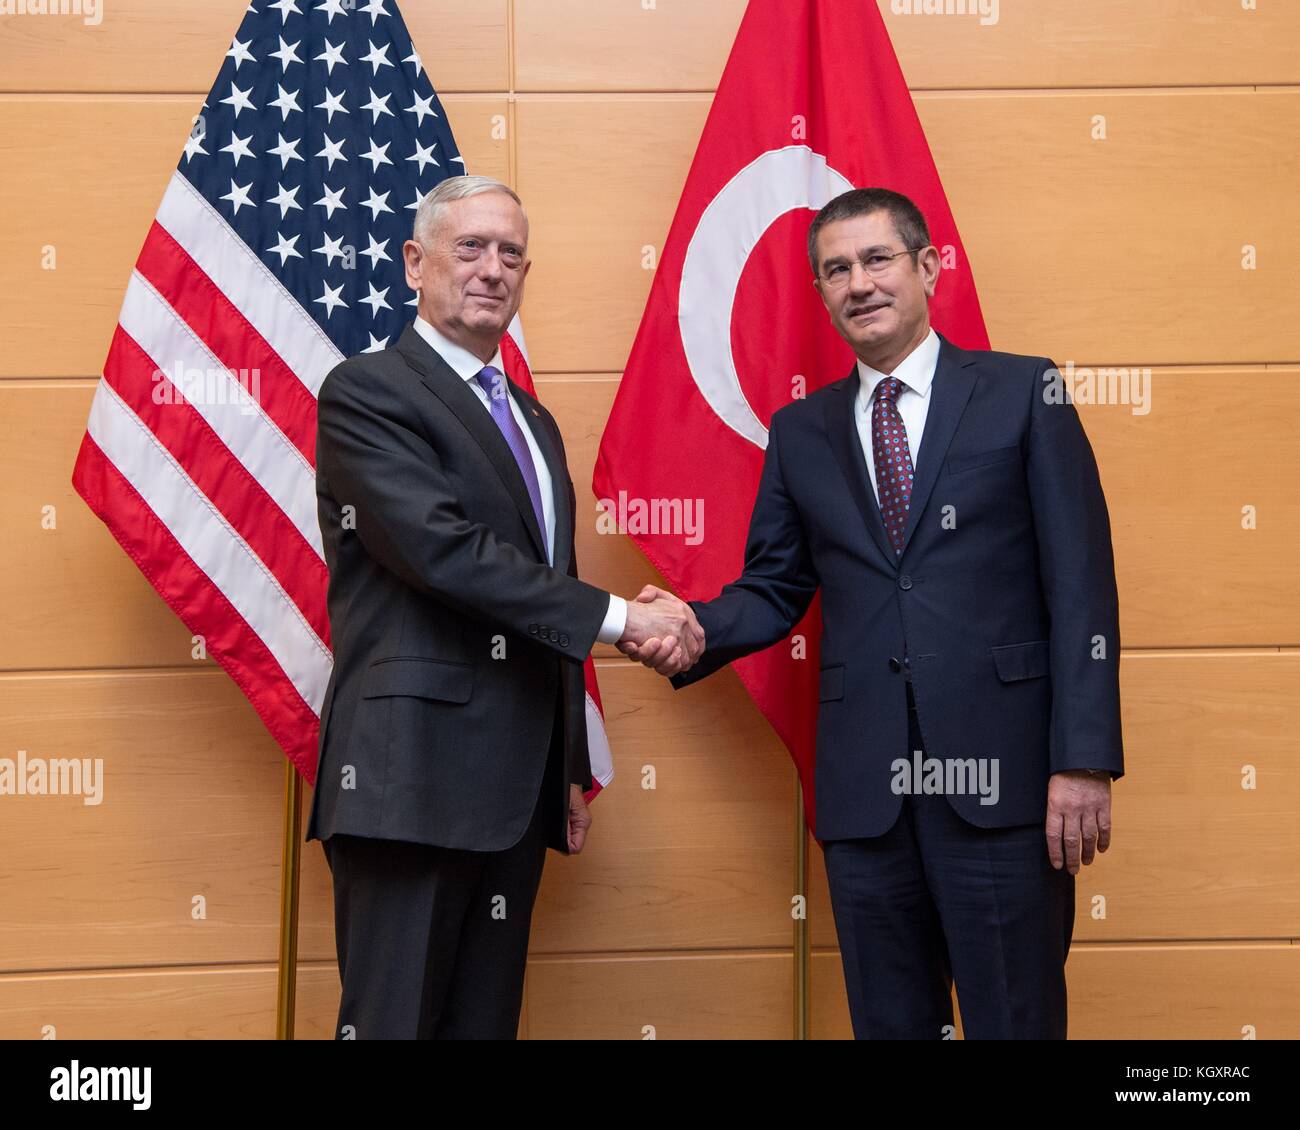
453, 745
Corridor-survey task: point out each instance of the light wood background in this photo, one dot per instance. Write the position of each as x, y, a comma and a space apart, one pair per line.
676, 919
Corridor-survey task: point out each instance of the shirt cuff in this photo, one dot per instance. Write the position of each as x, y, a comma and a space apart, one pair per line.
611, 631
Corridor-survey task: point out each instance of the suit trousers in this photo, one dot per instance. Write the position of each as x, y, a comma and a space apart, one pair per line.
433, 942
937, 898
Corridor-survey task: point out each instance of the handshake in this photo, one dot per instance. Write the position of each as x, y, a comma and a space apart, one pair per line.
662, 632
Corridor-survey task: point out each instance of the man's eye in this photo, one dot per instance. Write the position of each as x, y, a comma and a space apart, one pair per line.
835, 272
876, 260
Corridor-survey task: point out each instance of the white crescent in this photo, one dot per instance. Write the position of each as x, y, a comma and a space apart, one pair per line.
771, 185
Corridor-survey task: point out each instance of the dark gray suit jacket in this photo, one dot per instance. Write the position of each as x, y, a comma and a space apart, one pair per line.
455, 644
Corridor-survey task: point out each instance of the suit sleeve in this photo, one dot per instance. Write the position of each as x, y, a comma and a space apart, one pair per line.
776, 585
410, 521
1077, 574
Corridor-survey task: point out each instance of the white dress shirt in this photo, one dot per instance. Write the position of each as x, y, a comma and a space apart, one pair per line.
916, 372
466, 366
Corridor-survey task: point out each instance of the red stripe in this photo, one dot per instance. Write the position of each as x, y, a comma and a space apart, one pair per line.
231, 337
200, 604
222, 477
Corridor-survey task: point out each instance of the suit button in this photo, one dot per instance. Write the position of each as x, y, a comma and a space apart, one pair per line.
904, 582
564, 640
533, 628
894, 665
555, 636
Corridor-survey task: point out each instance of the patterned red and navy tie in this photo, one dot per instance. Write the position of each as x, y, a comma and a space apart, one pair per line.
893, 460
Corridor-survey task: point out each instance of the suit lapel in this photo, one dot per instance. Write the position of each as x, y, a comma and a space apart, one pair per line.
449, 387
954, 380
842, 430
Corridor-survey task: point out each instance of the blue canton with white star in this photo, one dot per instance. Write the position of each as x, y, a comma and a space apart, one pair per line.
320, 137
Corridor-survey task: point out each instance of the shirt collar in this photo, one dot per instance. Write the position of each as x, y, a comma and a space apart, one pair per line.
916, 370
463, 363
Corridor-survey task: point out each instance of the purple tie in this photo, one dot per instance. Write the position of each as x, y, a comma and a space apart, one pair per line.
893, 461
494, 384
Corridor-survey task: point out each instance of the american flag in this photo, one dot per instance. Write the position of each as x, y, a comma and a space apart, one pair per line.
275, 254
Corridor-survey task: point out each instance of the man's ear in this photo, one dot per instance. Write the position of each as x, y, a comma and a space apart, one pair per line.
413, 260
930, 268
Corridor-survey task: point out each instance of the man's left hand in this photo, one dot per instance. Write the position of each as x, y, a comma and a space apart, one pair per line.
1078, 817
579, 819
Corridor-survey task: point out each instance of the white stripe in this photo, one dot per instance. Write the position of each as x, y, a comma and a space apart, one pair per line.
602, 757
241, 423
211, 542
248, 283
516, 332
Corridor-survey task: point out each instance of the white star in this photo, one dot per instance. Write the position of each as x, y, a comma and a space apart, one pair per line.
375, 9
238, 196
329, 249
332, 200
287, 53
285, 7
414, 57
378, 106
375, 300
332, 55
331, 299
194, 144
414, 301
376, 251
287, 151
423, 155
461, 160
238, 147
333, 150
415, 203
334, 102
239, 100
375, 344
285, 199
376, 204
240, 53
334, 8
287, 102
422, 106
378, 56
377, 156
284, 249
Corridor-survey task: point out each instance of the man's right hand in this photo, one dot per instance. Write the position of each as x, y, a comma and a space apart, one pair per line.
662, 632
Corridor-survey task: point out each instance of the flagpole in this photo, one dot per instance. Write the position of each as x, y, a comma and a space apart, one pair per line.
290, 861
802, 935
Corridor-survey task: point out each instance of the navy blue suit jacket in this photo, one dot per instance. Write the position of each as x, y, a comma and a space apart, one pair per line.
1003, 602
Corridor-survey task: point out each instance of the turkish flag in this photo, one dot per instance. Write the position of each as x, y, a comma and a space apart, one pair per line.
811, 104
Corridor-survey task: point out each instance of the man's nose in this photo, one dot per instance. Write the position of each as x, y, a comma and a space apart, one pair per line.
489, 264
860, 279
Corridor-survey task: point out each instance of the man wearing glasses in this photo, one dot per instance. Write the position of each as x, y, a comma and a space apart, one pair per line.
947, 504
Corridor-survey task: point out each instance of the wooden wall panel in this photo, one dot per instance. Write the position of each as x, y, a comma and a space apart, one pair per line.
191, 806
1151, 992
731, 996
683, 44
701, 861
158, 45
1085, 251
220, 1002
59, 323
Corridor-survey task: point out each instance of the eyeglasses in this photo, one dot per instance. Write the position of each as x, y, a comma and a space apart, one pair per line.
875, 264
